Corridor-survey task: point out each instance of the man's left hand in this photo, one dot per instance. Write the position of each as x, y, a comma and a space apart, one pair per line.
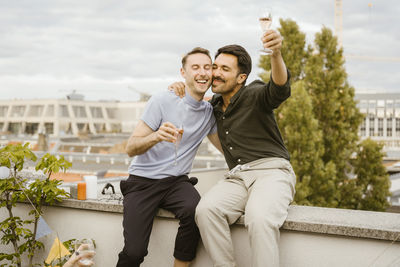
273, 40
178, 88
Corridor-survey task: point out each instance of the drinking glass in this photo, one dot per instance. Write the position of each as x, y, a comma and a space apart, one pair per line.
83, 247
182, 111
178, 137
265, 19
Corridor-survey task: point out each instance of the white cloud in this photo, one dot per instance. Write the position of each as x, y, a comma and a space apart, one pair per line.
46, 45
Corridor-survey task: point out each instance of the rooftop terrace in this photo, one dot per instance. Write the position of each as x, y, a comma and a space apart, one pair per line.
311, 236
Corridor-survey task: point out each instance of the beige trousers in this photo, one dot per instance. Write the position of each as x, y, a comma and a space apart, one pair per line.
261, 190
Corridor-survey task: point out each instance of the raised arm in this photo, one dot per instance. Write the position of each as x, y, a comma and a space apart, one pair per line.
143, 137
273, 40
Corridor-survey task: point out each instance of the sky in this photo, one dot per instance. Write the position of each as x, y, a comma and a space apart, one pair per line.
110, 50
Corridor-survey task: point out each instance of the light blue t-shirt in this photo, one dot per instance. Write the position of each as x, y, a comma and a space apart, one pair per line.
197, 120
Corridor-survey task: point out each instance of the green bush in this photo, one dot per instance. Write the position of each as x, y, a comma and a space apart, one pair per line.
15, 189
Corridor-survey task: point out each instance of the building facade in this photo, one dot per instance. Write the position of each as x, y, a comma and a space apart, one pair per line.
382, 118
70, 116
74, 115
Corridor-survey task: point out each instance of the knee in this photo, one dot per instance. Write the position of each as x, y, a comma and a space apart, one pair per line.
260, 220
187, 212
204, 211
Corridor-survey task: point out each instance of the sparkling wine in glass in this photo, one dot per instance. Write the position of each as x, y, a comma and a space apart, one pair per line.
265, 19
85, 247
178, 136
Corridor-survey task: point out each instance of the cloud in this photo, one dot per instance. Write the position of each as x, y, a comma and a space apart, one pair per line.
46, 45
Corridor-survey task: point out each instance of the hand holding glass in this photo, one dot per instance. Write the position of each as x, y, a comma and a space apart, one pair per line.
178, 136
85, 247
265, 19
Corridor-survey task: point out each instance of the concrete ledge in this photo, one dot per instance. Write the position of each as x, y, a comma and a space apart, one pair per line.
342, 222
310, 237
353, 223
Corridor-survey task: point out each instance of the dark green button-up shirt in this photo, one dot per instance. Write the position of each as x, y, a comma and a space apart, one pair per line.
247, 129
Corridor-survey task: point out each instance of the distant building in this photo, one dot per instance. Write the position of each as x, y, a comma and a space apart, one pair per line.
70, 116
382, 118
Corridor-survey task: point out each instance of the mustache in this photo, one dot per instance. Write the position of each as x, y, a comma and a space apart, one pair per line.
216, 78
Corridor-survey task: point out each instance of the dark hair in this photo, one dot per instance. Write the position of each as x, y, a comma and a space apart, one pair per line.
195, 50
243, 58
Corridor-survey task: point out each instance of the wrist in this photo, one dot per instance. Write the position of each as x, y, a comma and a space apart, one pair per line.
155, 137
276, 54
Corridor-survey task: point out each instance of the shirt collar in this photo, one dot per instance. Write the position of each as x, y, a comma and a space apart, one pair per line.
188, 99
236, 96
217, 101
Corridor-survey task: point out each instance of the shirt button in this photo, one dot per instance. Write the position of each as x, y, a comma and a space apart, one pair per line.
230, 148
223, 117
239, 160
227, 132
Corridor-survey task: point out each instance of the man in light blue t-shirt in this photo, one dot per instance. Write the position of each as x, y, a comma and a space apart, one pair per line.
163, 159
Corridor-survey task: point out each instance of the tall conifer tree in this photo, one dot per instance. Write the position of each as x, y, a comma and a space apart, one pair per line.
319, 124
334, 107
305, 142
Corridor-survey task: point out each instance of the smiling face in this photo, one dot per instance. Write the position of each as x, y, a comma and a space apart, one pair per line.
197, 73
226, 77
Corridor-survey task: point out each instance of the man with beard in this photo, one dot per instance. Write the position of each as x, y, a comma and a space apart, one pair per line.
261, 183
158, 174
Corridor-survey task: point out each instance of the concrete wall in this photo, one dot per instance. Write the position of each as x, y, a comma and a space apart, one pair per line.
310, 236
298, 248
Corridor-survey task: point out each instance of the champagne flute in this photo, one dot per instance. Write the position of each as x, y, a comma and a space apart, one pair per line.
182, 111
178, 136
85, 247
265, 19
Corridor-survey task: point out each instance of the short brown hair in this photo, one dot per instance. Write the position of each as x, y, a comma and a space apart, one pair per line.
243, 58
195, 50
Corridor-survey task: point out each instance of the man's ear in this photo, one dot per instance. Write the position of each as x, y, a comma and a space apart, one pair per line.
183, 72
241, 78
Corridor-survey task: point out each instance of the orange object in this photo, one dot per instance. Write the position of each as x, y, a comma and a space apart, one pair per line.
82, 191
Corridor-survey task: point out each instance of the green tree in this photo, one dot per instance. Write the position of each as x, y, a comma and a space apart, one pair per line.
334, 107
305, 143
372, 178
320, 124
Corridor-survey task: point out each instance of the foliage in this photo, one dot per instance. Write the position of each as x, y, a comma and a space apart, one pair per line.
13, 228
14, 156
51, 164
335, 109
372, 178
45, 191
305, 142
319, 124
15, 189
333, 100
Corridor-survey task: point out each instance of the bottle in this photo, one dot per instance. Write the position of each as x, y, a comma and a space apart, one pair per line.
91, 186
82, 191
